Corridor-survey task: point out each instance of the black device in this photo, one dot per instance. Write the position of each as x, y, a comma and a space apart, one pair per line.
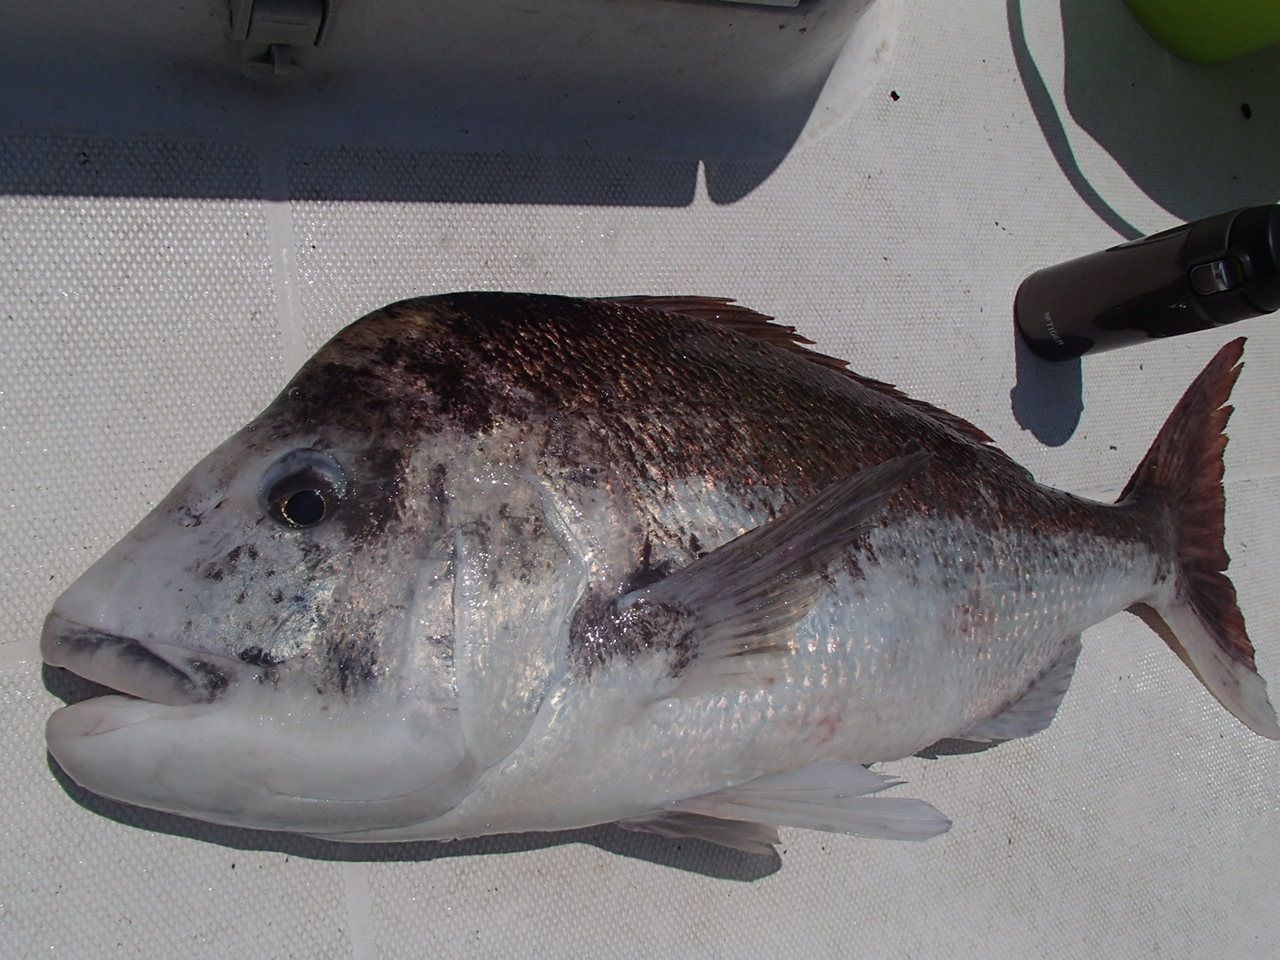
1199, 275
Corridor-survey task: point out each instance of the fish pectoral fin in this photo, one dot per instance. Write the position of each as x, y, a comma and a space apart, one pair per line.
746, 597
735, 834
830, 795
1035, 708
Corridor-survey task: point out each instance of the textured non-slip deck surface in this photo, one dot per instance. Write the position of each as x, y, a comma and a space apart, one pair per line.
142, 327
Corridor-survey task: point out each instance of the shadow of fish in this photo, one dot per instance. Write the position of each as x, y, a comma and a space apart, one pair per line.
501, 563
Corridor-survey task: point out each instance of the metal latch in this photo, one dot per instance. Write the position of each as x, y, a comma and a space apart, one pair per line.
274, 33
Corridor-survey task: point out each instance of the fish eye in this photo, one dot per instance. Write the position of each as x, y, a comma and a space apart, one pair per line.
302, 488
301, 508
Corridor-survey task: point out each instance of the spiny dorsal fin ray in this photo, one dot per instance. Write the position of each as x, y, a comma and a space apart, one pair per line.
726, 313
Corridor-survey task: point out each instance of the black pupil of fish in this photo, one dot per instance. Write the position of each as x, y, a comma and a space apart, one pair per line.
303, 508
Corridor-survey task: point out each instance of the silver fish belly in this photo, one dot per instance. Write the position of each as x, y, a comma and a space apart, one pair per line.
501, 562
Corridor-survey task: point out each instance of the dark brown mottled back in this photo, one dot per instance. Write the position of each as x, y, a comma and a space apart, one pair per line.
647, 392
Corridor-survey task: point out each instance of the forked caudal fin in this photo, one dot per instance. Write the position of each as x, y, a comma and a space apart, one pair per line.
1196, 613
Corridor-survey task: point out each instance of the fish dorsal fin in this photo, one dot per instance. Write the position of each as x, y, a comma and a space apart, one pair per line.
1034, 708
726, 313
829, 795
743, 599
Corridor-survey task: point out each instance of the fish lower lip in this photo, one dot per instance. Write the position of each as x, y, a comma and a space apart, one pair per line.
104, 715
123, 664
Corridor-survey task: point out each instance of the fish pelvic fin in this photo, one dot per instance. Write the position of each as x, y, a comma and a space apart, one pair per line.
1196, 612
829, 795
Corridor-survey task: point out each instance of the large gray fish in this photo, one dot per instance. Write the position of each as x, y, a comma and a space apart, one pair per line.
498, 562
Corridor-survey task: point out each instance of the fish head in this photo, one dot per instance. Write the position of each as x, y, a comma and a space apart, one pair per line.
278, 628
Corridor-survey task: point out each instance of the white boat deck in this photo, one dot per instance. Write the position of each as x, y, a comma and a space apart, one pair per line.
158, 286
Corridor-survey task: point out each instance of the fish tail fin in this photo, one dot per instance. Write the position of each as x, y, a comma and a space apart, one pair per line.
1195, 610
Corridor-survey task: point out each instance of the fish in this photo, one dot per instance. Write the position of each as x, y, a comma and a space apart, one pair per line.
504, 563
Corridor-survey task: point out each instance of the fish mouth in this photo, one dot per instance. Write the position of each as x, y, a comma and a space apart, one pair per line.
154, 672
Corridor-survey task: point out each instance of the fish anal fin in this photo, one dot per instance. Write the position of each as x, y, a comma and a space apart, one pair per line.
736, 834
829, 795
1034, 709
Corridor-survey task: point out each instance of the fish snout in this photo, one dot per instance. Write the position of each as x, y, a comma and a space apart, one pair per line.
150, 671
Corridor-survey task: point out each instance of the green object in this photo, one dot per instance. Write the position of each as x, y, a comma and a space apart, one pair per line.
1210, 31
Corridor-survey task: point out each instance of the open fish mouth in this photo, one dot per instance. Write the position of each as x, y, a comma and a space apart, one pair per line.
154, 672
